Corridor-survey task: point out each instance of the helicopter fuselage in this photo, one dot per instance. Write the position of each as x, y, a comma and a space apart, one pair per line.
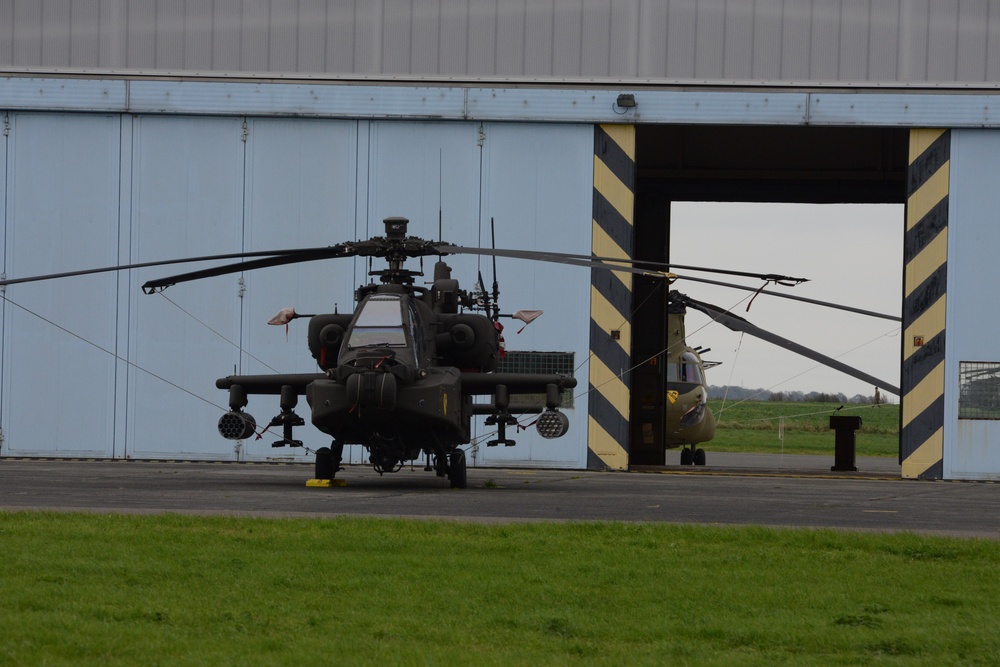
689, 420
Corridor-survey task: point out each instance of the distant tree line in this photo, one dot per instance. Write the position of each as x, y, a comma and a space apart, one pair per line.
732, 393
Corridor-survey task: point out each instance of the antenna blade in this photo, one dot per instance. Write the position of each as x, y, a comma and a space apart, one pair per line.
496, 285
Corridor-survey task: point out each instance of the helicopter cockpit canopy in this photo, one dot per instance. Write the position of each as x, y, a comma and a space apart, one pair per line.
688, 370
380, 323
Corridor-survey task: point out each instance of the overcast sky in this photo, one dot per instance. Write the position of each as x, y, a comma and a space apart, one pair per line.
851, 253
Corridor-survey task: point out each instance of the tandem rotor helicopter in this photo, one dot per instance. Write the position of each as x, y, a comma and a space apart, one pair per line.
400, 374
689, 420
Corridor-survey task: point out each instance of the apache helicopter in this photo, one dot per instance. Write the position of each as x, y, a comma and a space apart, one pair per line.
400, 374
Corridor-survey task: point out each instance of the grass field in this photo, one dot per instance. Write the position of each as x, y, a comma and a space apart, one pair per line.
168, 590
801, 428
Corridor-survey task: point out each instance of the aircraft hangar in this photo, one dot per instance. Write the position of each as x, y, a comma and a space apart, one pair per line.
139, 131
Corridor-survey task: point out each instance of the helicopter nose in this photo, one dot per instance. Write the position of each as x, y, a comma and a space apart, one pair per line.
372, 389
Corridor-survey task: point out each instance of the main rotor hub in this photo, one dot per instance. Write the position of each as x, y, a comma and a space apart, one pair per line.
395, 228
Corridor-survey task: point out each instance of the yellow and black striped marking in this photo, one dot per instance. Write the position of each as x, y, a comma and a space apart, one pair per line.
611, 298
925, 285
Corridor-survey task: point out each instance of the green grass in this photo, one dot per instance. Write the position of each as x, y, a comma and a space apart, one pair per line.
755, 426
167, 590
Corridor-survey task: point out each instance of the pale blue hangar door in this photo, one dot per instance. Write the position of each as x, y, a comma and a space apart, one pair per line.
93, 367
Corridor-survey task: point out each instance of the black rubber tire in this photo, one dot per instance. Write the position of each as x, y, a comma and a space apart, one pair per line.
686, 457
699, 457
456, 470
324, 463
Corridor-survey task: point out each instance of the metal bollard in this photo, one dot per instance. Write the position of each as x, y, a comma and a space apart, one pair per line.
844, 442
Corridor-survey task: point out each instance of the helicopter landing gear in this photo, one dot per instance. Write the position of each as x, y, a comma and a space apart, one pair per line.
328, 460
456, 470
692, 456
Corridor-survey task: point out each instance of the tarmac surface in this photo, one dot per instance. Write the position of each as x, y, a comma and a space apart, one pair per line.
744, 489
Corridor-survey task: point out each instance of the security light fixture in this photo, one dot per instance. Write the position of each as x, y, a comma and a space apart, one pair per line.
626, 101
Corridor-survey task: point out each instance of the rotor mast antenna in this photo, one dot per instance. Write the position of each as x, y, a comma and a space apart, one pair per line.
440, 198
496, 285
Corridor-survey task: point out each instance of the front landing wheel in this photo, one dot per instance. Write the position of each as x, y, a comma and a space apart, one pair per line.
456, 470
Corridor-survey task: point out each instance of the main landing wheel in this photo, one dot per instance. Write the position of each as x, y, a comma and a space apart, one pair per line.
686, 457
328, 460
456, 470
699, 457
324, 463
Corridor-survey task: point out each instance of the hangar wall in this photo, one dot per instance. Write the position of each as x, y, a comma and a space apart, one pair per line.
803, 41
91, 367
972, 366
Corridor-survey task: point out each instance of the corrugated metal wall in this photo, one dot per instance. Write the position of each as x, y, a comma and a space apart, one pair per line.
802, 41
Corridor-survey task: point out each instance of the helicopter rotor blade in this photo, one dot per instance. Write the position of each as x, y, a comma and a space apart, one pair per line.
585, 261
613, 263
640, 267
794, 297
739, 324
308, 255
143, 265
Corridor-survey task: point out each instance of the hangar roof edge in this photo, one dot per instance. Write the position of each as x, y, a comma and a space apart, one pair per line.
491, 81
426, 100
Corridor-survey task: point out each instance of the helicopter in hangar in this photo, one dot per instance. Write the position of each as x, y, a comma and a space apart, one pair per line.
689, 420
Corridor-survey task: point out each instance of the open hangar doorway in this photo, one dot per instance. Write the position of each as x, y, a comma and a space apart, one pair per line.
706, 163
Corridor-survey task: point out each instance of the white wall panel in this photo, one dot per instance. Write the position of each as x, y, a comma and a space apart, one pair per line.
972, 447
5, 188
187, 200
58, 391
538, 186
301, 187
419, 169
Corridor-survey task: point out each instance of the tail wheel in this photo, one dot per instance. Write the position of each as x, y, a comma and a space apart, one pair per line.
456, 470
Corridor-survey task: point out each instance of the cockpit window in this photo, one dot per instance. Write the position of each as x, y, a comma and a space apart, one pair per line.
379, 324
689, 370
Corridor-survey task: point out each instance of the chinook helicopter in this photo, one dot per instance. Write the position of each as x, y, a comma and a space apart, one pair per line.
689, 419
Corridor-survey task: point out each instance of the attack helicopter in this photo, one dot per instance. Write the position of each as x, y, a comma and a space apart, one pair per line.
399, 374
